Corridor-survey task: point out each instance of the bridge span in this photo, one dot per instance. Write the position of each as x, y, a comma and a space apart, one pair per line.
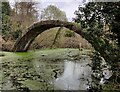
23, 43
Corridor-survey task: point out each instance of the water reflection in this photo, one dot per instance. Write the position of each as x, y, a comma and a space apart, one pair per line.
76, 76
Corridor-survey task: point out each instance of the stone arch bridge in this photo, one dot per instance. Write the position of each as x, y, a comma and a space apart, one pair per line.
23, 43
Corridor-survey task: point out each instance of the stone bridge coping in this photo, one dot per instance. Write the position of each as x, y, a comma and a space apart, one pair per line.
49, 22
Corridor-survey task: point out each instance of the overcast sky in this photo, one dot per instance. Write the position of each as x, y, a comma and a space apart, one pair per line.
68, 6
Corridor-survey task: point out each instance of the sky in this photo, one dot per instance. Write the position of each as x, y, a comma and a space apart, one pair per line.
68, 6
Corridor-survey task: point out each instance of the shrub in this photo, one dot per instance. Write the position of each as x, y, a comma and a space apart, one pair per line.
69, 33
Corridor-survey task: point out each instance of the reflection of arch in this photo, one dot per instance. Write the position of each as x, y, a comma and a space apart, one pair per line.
34, 30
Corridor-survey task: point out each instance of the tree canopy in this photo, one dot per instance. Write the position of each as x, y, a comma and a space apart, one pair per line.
16, 19
100, 14
101, 26
53, 13
6, 19
25, 13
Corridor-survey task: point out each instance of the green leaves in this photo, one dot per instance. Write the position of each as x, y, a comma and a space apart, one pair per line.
5, 8
6, 22
102, 22
69, 33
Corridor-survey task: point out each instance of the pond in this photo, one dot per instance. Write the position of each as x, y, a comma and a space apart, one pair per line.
51, 69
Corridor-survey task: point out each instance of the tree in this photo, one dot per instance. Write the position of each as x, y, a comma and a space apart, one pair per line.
93, 17
6, 23
53, 13
15, 20
111, 13
5, 8
98, 14
24, 14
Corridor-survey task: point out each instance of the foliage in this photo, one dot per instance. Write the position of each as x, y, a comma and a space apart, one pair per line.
94, 17
77, 25
69, 33
17, 33
5, 8
16, 19
100, 14
6, 23
53, 13
23, 15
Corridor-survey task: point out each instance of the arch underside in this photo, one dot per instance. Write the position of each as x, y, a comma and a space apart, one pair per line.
23, 43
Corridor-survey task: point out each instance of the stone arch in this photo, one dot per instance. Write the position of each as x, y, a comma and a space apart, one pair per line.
23, 43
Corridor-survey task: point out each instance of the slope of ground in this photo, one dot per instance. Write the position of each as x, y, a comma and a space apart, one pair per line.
65, 38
